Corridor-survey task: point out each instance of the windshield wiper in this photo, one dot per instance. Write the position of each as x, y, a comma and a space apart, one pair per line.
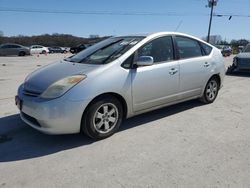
69, 60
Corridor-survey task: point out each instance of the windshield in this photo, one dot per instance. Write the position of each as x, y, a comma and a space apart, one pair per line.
247, 49
105, 51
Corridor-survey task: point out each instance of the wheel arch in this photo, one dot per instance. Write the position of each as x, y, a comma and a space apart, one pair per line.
21, 52
217, 76
116, 95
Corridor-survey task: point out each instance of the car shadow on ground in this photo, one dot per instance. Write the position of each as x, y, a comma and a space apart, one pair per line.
18, 141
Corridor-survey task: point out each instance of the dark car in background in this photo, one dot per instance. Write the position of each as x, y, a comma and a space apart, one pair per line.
10, 49
241, 62
56, 49
78, 48
225, 50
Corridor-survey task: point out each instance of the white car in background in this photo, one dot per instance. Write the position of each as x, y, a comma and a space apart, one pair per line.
38, 49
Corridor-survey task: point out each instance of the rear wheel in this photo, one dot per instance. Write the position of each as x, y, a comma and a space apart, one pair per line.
211, 90
102, 118
22, 53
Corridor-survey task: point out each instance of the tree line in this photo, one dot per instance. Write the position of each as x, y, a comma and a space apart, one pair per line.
63, 40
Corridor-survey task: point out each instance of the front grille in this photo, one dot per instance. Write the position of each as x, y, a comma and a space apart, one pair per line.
31, 119
31, 93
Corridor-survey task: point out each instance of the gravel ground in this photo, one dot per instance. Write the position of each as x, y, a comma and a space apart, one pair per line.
185, 145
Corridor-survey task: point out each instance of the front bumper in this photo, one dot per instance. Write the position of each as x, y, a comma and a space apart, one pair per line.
57, 116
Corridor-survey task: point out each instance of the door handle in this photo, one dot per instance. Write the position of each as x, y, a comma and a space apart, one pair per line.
173, 71
206, 64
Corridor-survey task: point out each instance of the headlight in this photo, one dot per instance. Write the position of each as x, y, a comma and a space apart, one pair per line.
60, 87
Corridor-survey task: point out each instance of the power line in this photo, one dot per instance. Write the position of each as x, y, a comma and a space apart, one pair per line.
232, 15
122, 13
115, 13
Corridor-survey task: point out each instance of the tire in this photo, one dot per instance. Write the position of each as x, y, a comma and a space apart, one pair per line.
230, 69
211, 91
43, 52
22, 53
102, 118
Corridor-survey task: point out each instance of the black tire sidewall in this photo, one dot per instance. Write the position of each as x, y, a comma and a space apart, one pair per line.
87, 124
205, 95
21, 53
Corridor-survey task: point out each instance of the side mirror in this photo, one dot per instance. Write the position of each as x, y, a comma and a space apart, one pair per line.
144, 61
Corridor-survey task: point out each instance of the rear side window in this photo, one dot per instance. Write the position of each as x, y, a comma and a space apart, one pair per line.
188, 48
207, 49
161, 49
5, 46
15, 46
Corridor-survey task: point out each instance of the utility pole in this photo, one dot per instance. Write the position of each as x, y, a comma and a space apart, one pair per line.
211, 4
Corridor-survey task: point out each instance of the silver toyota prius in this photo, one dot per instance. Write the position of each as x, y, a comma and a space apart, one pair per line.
120, 77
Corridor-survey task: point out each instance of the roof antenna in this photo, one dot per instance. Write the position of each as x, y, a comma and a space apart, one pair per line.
178, 26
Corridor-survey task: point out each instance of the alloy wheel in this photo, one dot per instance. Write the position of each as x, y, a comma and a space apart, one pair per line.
211, 90
105, 118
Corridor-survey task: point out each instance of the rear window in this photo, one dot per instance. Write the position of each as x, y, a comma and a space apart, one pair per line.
207, 49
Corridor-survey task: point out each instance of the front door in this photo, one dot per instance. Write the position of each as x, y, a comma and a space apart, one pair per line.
157, 84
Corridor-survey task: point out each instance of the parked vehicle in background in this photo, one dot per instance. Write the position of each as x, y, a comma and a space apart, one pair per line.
225, 50
241, 62
241, 48
120, 77
67, 49
38, 49
78, 48
56, 49
9, 49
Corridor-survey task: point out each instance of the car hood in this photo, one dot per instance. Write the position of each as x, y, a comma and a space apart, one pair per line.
41, 79
243, 55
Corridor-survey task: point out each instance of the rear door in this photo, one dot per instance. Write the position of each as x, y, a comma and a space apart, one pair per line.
5, 50
195, 67
157, 84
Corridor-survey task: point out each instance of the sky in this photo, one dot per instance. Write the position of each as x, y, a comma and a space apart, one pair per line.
187, 16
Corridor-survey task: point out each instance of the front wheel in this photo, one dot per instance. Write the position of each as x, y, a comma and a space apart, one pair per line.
102, 118
211, 90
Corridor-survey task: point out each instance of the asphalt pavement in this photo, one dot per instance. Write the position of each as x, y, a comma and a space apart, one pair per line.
184, 145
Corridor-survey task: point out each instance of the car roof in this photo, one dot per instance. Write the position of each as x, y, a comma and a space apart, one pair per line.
152, 35
11, 44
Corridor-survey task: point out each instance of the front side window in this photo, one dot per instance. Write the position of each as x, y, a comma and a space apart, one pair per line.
161, 49
187, 47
